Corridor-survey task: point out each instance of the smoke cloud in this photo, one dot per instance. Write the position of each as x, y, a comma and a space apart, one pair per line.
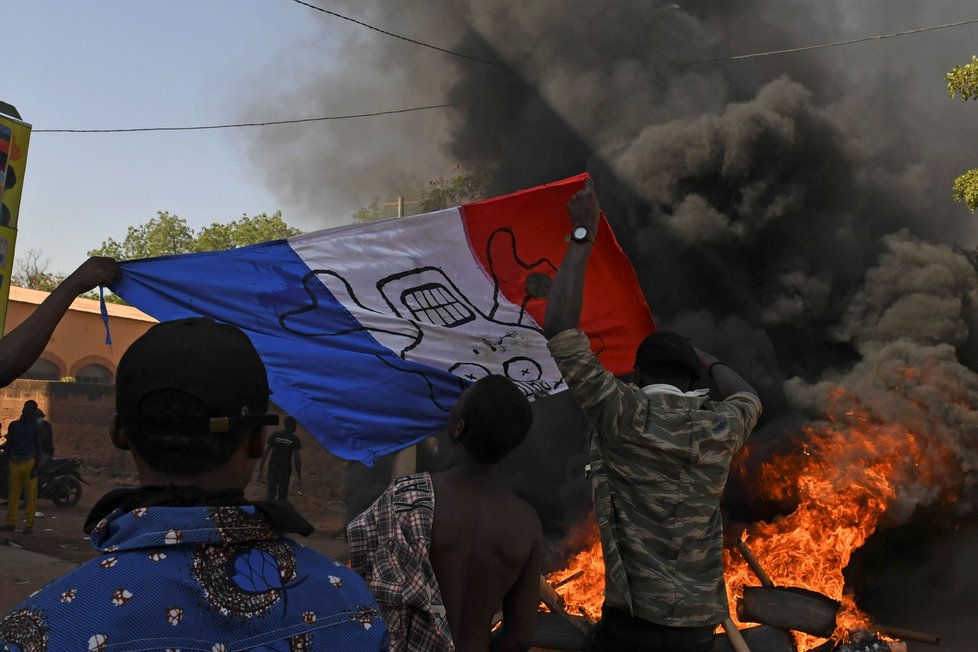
791, 213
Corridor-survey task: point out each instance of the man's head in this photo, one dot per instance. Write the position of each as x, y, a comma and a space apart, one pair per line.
490, 419
667, 357
289, 424
189, 393
30, 409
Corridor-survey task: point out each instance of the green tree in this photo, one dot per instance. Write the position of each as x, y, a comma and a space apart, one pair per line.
444, 192
166, 235
375, 210
244, 231
963, 80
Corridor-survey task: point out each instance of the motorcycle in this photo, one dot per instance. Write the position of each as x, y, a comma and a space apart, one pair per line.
59, 480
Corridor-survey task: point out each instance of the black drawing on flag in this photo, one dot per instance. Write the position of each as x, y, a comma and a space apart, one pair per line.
424, 299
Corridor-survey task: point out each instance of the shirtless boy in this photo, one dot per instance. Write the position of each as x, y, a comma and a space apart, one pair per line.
441, 569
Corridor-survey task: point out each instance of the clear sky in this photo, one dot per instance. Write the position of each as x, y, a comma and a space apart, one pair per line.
135, 63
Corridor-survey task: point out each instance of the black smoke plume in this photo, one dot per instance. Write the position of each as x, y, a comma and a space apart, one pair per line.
791, 213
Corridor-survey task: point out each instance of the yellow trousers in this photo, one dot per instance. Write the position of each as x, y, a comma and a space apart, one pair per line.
19, 480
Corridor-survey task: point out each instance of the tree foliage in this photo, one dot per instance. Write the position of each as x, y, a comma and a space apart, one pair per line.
966, 189
963, 80
33, 271
443, 192
244, 231
167, 235
375, 210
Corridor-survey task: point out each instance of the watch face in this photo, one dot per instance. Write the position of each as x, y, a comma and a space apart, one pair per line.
579, 234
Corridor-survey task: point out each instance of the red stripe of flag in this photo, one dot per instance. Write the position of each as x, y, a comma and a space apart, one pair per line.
520, 238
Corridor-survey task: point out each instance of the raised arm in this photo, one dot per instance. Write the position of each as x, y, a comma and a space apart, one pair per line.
20, 348
727, 380
567, 290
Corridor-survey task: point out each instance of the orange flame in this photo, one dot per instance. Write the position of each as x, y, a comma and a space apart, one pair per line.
583, 595
843, 481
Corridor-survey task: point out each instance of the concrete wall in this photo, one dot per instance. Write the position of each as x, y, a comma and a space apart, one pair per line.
80, 414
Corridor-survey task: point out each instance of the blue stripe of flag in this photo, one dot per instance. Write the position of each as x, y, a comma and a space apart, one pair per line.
357, 398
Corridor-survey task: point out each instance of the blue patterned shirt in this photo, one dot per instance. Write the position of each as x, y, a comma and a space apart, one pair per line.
216, 579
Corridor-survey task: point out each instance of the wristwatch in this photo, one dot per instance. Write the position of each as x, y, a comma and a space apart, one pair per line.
580, 235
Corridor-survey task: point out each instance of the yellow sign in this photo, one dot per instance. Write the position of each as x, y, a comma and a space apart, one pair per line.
15, 137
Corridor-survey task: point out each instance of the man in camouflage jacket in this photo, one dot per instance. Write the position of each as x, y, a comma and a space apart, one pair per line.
660, 455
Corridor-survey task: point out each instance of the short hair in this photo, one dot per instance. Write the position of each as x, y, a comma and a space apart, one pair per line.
497, 417
289, 423
667, 354
30, 408
161, 440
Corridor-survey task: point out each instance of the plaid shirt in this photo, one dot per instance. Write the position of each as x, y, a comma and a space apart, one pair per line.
659, 462
389, 546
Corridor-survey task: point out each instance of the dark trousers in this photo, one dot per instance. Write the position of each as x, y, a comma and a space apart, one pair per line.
278, 483
619, 631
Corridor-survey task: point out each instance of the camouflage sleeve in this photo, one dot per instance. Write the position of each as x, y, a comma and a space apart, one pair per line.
612, 407
742, 411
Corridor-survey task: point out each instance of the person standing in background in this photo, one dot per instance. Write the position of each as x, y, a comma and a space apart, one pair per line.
24, 452
283, 449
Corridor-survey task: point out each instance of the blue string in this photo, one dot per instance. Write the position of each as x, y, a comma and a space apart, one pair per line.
105, 314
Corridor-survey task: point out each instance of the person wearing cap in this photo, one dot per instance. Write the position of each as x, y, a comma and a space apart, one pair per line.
660, 453
23, 452
20, 348
186, 562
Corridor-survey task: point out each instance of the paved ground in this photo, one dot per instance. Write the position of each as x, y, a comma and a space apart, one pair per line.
28, 561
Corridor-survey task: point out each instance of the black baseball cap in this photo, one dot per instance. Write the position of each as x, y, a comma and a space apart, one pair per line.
669, 347
214, 363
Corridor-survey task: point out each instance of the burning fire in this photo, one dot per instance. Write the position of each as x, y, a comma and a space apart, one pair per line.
847, 475
584, 593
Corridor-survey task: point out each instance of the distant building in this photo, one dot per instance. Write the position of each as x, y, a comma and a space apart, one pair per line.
78, 349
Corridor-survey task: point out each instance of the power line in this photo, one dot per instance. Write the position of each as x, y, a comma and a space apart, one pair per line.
241, 124
454, 53
440, 106
755, 55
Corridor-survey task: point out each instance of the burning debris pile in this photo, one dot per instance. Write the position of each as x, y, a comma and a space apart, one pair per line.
792, 212
851, 471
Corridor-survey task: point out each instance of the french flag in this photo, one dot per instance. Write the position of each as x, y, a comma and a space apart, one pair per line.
371, 331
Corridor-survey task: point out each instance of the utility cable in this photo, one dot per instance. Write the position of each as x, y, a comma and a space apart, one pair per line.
241, 124
440, 106
755, 55
454, 53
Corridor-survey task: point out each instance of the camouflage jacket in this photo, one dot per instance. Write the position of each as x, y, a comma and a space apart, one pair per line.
659, 462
